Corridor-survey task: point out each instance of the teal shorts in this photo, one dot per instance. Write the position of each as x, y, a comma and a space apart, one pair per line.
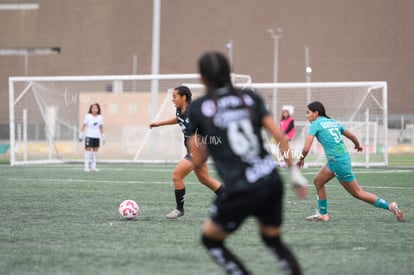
342, 168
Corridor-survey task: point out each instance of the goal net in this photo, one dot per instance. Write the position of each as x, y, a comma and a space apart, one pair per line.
360, 106
46, 114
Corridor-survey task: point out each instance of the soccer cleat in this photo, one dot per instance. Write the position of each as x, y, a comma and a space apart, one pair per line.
87, 170
175, 214
95, 170
396, 211
318, 217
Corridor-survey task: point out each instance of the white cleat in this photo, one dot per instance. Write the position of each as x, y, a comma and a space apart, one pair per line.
396, 211
175, 214
318, 217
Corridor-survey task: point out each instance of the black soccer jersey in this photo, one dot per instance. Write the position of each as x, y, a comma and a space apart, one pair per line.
184, 122
230, 126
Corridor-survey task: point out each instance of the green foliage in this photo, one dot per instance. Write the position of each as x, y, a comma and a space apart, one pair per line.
61, 220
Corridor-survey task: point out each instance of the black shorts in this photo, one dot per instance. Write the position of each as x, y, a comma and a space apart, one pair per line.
188, 155
263, 201
91, 142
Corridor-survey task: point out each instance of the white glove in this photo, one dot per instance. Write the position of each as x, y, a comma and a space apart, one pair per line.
80, 137
103, 139
296, 177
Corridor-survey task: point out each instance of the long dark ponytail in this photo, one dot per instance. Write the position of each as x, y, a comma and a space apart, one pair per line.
318, 106
215, 70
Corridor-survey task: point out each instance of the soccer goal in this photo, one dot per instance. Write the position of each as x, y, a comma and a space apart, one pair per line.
47, 112
360, 106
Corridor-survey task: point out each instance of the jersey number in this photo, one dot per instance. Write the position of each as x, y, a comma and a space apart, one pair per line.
242, 139
336, 134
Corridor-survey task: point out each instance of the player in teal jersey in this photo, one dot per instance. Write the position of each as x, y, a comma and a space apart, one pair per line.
181, 98
227, 123
329, 134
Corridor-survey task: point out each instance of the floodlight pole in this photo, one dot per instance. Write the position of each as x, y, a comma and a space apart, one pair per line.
229, 47
134, 71
276, 36
155, 63
308, 72
155, 66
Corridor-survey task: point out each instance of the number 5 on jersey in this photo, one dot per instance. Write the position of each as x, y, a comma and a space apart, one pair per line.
336, 134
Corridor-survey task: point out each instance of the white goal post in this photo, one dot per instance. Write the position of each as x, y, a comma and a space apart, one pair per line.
47, 112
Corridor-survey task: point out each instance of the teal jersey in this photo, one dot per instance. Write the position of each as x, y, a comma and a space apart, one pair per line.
329, 134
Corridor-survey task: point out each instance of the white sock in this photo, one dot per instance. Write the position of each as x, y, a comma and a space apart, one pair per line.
87, 156
93, 160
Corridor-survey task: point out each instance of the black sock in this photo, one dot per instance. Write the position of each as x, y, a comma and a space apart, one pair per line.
219, 191
179, 199
223, 257
287, 260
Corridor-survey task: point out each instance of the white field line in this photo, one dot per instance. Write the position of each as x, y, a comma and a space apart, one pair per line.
93, 181
135, 170
132, 169
211, 169
331, 185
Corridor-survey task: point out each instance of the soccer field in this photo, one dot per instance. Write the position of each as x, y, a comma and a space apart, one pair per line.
61, 220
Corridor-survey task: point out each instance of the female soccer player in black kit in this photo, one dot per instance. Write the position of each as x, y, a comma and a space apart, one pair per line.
253, 186
181, 98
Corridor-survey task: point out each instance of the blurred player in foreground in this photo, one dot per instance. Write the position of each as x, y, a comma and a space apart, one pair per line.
93, 123
329, 134
253, 186
181, 98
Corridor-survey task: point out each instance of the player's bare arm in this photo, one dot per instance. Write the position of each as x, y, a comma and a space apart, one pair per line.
299, 183
170, 121
352, 138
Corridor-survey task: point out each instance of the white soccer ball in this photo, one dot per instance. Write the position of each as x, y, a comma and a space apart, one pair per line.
128, 209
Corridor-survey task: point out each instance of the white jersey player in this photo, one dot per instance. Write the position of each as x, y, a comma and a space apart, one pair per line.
93, 127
